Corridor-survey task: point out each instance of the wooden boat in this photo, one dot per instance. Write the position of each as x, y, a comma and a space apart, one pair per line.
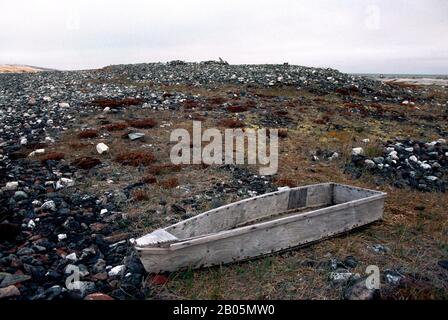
259, 226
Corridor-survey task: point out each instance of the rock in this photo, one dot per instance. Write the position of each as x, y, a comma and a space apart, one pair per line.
341, 276
72, 257
379, 248
378, 160
431, 178
115, 271
49, 206
20, 195
135, 136
9, 231
357, 151
11, 186
369, 164
98, 297
62, 236
9, 292
102, 148
36, 152
64, 105
12, 279
413, 159
350, 262
64, 183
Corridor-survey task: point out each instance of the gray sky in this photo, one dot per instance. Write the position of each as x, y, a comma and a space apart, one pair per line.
399, 36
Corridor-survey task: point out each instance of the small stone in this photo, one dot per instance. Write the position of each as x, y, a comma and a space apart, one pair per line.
11, 186
116, 271
350, 262
20, 195
102, 148
13, 279
370, 164
342, 276
393, 277
72, 257
9, 292
62, 236
24, 141
357, 151
378, 160
425, 166
413, 159
431, 178
366, 140
443, 264
379, 248
49, 205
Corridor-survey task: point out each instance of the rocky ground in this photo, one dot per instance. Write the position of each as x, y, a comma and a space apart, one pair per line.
84, 169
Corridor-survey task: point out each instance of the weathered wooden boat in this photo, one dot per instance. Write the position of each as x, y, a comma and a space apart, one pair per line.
259, 226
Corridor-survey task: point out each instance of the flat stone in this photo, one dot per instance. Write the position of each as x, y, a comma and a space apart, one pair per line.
14, 279
135, 136
98, 297
9, 292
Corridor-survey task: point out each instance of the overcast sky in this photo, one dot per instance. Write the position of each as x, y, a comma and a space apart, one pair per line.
383, 36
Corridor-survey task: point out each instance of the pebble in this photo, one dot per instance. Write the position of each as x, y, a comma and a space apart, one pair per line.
11, 186
49, 205
102, 148
357, 151
9, 292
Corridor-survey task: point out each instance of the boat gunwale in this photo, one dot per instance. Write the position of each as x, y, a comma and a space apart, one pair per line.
212, 237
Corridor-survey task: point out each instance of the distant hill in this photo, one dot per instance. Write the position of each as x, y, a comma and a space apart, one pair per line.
16, 68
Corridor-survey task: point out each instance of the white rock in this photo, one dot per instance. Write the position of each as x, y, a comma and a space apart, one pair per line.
36, 152
366, 140
103, 211
370, 163
64, 182
381, 166
72, 257
426, 166
390, 149
106, 110
31, 224
116, 271
101, 148
23, 141
406, 102
62, 236
64, 105
49, 205
409, 149
334, 156
49, 139
357, 151
413, 158
431, 178
441, 141
12, 186
47, 99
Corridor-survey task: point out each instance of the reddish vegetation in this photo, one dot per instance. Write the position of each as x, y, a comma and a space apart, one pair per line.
323, 120
164, 168
159, 280
115, 126
149, 179
114, 103
140, 195
232, 123
237, 109
88, 134
169, 183
216, 100
78, 145
86, 163
143, 123
56, 156
136, 158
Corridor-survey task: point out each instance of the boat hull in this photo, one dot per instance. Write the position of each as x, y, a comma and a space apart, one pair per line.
268, 237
